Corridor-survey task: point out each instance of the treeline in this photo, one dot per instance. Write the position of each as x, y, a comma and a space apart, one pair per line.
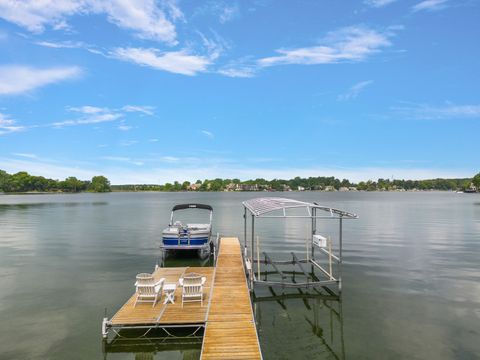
311, 183
24, 182
433, 184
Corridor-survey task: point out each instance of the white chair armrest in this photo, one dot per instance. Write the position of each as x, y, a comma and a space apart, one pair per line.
180, 281
203, 280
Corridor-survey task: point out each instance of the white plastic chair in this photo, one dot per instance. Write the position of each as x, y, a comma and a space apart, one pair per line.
147, 289
192, 287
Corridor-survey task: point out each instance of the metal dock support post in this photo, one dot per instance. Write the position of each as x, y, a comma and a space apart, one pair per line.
340, 256
245, 231
105, 326
252, 273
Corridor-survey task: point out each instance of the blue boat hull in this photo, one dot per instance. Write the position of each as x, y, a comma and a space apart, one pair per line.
185, 242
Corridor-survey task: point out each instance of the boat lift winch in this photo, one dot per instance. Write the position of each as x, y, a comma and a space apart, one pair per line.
317, 245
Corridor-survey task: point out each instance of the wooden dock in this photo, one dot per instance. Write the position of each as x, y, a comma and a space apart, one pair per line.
230, 330
226, 314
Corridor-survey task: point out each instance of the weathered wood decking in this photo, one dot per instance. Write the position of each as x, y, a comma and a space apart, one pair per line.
230, 331
170, 314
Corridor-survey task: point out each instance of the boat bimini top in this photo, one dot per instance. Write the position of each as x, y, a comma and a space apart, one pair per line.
191, 206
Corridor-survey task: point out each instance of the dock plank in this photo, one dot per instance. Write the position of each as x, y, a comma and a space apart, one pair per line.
230, 331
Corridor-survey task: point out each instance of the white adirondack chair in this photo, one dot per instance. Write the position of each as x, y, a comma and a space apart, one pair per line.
192, 287
147, 289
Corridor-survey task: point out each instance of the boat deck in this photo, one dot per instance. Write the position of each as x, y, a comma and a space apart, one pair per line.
226, 314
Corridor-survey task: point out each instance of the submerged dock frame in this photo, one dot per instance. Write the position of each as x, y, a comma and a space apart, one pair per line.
281, 208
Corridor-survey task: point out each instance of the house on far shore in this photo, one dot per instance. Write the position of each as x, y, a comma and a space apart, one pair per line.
193, 187
330, 188
245, 187
344, 188
300, 188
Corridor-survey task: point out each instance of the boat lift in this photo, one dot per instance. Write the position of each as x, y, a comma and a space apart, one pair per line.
319, 248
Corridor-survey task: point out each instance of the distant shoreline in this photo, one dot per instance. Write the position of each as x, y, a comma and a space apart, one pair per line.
24, 183
223, 191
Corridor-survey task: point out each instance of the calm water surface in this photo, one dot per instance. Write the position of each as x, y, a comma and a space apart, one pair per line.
411, 277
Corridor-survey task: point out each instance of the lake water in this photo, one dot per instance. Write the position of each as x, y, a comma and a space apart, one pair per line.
411, 275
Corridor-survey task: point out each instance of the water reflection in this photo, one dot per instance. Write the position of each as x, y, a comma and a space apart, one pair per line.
157, 344
317, 316
39, 205
410, 277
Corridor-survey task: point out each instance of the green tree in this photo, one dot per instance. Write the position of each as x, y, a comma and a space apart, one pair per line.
99, 184
185, 185
4, 176
72, 184
466, 184
476, 181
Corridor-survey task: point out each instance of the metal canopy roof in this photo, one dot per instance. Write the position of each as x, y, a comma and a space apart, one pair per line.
260, 207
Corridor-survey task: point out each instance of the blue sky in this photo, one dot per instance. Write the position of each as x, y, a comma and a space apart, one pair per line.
156, 91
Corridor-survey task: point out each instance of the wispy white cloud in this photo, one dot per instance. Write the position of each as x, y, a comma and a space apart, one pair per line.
17, 79
430, 5
170, 159
128, 142
35, 15
208, 134
228, 13
245, 67
122, 159
145, 18
8, 125
87, 109
124, 127
379, 3
179, 62
94, 115
61, 44
238, 72
26, 155
353, 92
449, 111
71, 45
90, 119
147, 110
350, 44
222, 10
214, 45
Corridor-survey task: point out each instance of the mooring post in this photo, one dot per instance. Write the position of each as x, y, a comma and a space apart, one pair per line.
340, 255
252, 250
314, 230
258, 257
245, 230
